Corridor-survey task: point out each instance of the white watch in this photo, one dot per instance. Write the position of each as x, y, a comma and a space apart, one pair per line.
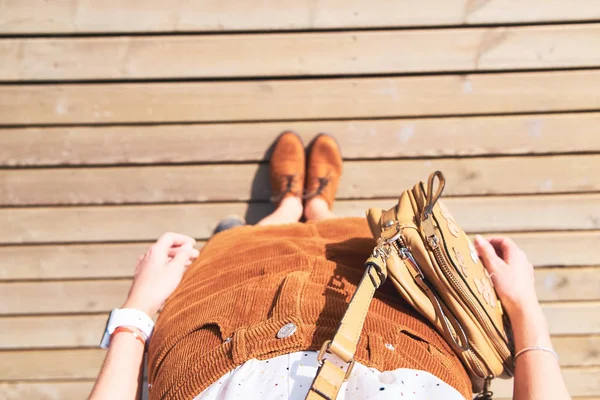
127, 317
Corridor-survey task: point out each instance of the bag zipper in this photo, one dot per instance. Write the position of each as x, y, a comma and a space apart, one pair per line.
404, 253
501, 347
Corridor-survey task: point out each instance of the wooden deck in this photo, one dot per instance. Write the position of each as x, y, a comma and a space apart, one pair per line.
122, 120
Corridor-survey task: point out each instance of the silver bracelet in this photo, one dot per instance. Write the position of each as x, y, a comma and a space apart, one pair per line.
541, 348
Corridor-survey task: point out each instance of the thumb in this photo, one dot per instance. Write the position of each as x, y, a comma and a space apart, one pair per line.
488, 255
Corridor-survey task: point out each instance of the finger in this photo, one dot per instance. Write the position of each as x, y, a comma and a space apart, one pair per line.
180, 260
174, 250
170, 239
506, 247
488, 255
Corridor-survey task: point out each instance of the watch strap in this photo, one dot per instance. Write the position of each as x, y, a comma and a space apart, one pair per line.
127, 317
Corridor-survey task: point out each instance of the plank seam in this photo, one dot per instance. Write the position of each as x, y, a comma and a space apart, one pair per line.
89, 34
291, 120
288, 78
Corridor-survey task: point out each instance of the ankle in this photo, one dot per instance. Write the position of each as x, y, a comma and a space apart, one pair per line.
291, 207
316, 209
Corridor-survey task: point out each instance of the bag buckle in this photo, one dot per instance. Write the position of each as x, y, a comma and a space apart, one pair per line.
325, 350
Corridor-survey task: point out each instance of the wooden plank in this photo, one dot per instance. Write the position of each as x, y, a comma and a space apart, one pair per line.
146, 223
475, 136
85, 363
80, 331
300, 99
63, 16
578, 351
51, 364
305, 54
56, 390
19, 298
580, 382
70, 261
568, 284
62, 297
575, 248
175, 184
116, 260
62, 331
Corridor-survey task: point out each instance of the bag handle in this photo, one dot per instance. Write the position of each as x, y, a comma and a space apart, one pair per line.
330, 376
431, 198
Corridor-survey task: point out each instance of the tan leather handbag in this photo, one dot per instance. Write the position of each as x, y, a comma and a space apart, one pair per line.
436, 269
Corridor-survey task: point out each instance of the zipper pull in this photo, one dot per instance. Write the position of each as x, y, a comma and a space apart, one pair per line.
433, 241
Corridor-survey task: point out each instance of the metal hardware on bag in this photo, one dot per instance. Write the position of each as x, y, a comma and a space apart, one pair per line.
433, 241
406, 255
389, 223
485, 393
381, 252
325, 349
382, 277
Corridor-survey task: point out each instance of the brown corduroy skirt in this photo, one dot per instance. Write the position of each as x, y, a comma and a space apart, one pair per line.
251, 281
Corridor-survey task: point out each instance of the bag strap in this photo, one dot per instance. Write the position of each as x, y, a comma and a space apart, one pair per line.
330, 376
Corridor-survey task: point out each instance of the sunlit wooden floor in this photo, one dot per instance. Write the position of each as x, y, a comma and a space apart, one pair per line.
121, 121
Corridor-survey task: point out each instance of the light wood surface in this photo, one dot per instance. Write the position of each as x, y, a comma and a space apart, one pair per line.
85, 363
304, 54
65, 16
81, 331
199, 183
22, 298
370, 139
146, 223
74, 261
122, 120
299, 99
580, 382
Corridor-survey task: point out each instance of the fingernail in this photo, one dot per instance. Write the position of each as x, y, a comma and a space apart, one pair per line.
479, 238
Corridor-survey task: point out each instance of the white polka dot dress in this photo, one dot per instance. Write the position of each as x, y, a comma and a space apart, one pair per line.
289, 377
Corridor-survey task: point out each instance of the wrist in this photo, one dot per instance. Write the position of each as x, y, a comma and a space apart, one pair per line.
131, 332
523, 309
140, 306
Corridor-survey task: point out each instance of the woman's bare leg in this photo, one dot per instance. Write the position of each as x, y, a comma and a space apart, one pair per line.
288, 211
317, 209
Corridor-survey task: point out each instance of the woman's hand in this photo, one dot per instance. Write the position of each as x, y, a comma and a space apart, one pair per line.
511, 272
159, 271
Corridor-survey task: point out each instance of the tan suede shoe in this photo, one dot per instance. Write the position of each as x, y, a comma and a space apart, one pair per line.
287, 167
324, 169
